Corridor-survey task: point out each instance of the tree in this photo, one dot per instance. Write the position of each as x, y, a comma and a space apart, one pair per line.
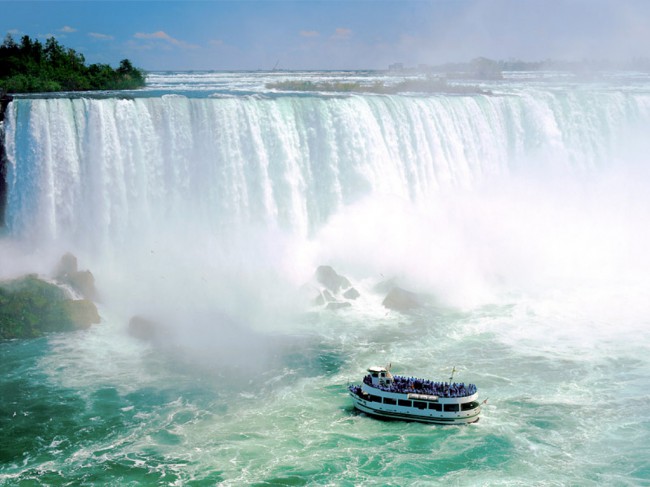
30, 67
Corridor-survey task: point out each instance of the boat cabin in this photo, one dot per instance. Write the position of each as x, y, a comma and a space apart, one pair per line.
380, 376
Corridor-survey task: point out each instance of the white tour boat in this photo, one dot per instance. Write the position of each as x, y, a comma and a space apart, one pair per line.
407, 398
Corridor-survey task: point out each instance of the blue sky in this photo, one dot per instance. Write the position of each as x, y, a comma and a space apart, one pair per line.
331, 34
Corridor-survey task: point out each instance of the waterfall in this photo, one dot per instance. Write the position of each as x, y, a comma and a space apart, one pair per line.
106, 167
382, 184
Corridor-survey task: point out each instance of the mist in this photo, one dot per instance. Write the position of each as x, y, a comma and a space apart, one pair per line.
209, 217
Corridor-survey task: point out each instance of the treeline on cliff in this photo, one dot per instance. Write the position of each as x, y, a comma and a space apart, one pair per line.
31, 67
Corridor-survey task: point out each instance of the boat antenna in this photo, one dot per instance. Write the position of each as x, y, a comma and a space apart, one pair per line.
451, 379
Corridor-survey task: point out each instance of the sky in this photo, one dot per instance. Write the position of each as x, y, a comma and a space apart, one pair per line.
333, 34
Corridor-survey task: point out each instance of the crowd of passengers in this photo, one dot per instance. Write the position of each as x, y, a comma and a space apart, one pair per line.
406, 385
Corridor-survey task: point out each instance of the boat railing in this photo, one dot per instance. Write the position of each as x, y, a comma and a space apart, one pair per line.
411, 385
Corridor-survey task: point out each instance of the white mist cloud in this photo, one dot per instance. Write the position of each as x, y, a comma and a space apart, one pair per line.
67, 29
309, 33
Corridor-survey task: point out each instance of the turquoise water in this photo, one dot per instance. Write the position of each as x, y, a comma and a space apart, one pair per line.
83, 409
522, 215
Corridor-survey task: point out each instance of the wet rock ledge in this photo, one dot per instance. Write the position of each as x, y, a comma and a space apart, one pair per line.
31, 306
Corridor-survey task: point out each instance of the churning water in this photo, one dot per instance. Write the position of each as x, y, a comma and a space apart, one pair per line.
207, 201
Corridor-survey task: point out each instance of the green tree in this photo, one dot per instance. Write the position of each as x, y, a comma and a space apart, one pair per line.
30, 67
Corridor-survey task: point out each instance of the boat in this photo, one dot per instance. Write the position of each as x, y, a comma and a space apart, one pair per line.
383, 395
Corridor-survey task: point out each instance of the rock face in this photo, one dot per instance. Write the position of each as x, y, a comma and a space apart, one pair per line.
336, 291
82, 282
401, 300
30, 306
351, 294
81, 312
329, 278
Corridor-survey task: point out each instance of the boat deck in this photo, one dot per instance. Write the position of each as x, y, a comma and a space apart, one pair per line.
411, 385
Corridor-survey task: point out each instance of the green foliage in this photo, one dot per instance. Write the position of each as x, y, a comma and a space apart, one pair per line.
30, 67
30, 307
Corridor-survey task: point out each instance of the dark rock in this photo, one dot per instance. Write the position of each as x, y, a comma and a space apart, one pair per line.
338, 305
329, 278
82, 312
351, 294
402, 300
144, 329
82, 282
328, 296
324, 297
67, 265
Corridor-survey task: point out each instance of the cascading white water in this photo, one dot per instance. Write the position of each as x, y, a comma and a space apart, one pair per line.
525, 210
120, 178
102, 169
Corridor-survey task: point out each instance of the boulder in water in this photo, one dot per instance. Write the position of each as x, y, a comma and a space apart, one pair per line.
82, 312
338, 305
329, 278
82, 282
400, 299
351, 294
145, 329
67, 265
324, 297
30, 306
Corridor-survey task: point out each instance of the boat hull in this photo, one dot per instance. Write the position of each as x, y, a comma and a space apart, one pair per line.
413, 414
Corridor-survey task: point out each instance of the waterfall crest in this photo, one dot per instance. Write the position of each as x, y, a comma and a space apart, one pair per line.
108, 167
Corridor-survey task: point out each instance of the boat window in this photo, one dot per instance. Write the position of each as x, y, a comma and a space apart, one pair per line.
452, 407
383, 374
404, 402
388, 400
374, 374
375, 398
436, 406
468, 405
420, 404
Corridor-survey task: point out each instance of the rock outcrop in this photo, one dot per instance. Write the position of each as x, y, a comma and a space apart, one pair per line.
334, 290
82, 282
145, 329
329, 278
30, 306
399, 299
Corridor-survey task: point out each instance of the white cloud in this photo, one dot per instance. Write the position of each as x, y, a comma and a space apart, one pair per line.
67, 29
342, 33
216, 42
309, 33
103, 37
163, 36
